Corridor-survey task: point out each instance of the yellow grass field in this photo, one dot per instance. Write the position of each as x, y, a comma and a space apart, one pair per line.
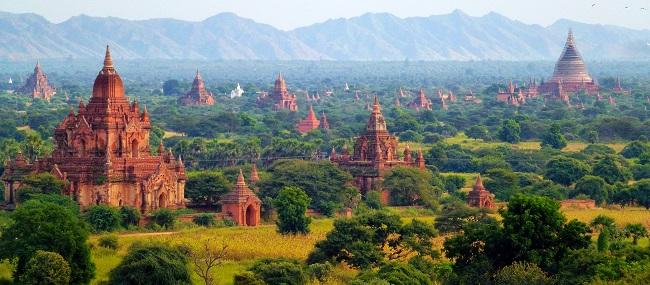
171, 134
248, 244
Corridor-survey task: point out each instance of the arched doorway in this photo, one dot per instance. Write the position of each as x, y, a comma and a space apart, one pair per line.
162, 201
251, 216
134, 148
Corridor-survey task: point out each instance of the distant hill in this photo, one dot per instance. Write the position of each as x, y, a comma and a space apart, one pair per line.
455, 36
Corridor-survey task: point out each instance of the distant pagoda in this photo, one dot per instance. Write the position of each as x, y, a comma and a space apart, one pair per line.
421, 102
198, 95
480, 197
308, 124
375, 152
37, 85
283, 100
570, 72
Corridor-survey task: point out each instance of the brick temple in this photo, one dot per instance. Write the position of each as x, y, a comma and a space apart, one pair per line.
283, 100
102, 153
570, 74
241, 204
375, 152
37, 85
198, 95
421, 102
480, 197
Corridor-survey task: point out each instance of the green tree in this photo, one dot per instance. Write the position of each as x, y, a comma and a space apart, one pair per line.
102, 218
612, 170
410, 186
640, 193
554, 138
151, 264
368, 241
323, 182
565, 170
164, 218
394, 273
635, 231
594, 187
635, 149
510, 131
46, 268
41, 183
206, 186
172, 87
60, 230
477, 132
502, 182
603, 240
454, 217
291, 205
522, 273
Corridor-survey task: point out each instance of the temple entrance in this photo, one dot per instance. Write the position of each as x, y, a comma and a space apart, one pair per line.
162, 201
134, 148
82, 148
251, 217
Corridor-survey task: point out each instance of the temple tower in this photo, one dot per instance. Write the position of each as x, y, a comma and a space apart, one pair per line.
37, 85
241, 204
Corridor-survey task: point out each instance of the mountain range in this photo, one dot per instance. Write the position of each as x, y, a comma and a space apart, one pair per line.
372, 36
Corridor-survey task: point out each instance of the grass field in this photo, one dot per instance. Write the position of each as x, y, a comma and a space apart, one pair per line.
170, 134
475, 144
248, 244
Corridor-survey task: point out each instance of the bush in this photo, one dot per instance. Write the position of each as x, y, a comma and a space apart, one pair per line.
109, 241
205, 220
635, 149
319, 271
103, 218
129, 216
522, 273
373, 200
247, 278
279, 271
164, 218
46, 268
152, 264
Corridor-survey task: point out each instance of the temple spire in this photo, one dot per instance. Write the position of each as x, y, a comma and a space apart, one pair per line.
479, 183
570, 41
241, 182
108, 61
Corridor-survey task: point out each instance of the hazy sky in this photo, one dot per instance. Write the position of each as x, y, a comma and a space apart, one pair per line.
289, 14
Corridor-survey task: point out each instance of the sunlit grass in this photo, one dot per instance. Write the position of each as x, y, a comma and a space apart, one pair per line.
628, 215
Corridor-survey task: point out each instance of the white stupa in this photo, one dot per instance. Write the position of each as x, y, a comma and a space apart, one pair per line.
11, 81
237, 92
347, 88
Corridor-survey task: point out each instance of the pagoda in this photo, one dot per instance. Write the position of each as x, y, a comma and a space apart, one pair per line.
282, 98
617, 87
198, 95
503, 95
421, 102
241, 204
375, 152
309, 123
237, 92
102, 153
479, 197
37, 85
324, 123
570, 72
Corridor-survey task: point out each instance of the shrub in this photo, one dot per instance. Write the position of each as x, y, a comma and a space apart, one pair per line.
129, 216
205, 220
152, 264
635, 149
279, 271
46, 268
103, 218
108, 241
319, 271
247, 278
373, 200
164, 218
522, 273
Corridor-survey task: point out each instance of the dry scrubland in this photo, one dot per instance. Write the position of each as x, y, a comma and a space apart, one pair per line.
248, 244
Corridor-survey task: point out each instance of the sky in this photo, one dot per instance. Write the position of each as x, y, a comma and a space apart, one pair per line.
290, 14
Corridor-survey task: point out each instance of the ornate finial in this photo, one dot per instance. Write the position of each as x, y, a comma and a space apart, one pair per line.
161, 148
479, 182
570, 40
198, 75
376, 107
108, 61
240, 180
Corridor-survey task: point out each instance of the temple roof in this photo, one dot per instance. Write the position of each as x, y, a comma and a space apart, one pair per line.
108, 83
376, 123
570, 68
241, 192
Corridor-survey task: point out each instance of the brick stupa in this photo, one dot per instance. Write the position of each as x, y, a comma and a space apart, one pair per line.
198, 95
37, 85
479, 197
309, 123
421, 102
283, 100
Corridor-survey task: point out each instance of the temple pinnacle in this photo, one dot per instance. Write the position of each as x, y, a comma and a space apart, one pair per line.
108, 61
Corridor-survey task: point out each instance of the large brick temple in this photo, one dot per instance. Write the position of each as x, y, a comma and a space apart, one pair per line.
103, 154
570, 74
37, 85
198, 95
375, 152
283, 100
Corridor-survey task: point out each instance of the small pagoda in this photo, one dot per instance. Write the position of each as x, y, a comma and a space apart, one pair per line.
37, 85
421, 102
198, 95
241, 204
480, 197
309, 123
